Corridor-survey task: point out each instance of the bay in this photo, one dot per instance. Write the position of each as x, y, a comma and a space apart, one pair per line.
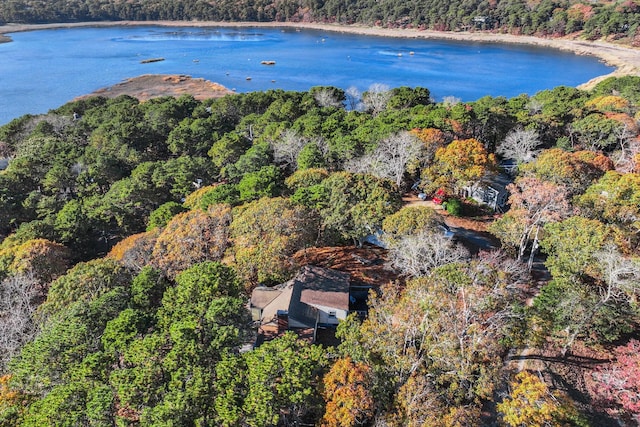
41, 70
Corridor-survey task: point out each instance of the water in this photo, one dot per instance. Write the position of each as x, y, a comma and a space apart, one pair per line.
41, 70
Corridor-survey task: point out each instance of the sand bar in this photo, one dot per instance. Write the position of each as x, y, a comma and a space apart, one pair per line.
626, 59
150, 86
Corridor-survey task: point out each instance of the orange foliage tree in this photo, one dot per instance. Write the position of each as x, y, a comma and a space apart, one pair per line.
432, 138
459, 164
135, 251
192, 237
13, 403
347, 391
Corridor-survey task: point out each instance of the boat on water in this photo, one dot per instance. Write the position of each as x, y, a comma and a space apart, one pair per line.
150, 60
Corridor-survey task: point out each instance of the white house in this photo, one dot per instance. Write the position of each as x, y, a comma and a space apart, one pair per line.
491, 191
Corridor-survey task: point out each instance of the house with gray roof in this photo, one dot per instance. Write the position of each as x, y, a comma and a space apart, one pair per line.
491, 191
315, 297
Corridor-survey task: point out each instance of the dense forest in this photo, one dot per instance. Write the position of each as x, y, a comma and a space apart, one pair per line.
619, 20
134, 232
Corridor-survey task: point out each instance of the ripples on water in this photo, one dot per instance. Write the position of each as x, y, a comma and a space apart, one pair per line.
197, 36
41, 70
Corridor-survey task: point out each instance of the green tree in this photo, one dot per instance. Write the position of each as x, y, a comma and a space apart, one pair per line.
83, 283
266, 182
356, 204
147, 288
405, 97
310, 157
228, 149
221, 193
72, 404
168, 376
553, 110
192, 137
282, 381
597, 132
305, 178
165, 212
254, 159
72, 225
590, 295
230, 390
67, 351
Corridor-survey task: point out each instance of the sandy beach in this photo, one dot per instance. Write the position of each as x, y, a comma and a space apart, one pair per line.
625, 59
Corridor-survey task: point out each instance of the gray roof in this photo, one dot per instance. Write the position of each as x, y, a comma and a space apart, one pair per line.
311, 287
262, 296
323, 286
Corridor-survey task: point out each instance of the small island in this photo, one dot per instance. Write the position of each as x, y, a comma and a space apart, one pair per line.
154, 85
268, 62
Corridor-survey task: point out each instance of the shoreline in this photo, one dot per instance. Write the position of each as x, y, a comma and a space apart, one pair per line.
625, 59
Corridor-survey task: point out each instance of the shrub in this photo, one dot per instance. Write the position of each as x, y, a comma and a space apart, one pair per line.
454, 207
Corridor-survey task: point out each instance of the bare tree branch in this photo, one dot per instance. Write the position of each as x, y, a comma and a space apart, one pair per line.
416, 255
520, 145
390, 158
376, 97
17, 305
287, 148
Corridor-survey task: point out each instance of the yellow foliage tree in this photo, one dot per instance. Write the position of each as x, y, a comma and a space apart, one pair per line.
192, 201
461, 163
46, 260
531, 404
607, 103
265, 234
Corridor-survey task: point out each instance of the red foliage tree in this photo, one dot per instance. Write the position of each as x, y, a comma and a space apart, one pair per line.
619, 383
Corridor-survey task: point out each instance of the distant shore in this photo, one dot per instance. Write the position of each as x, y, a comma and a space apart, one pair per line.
625, 59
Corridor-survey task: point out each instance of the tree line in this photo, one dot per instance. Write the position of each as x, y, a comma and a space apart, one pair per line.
133, 233
618, 20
